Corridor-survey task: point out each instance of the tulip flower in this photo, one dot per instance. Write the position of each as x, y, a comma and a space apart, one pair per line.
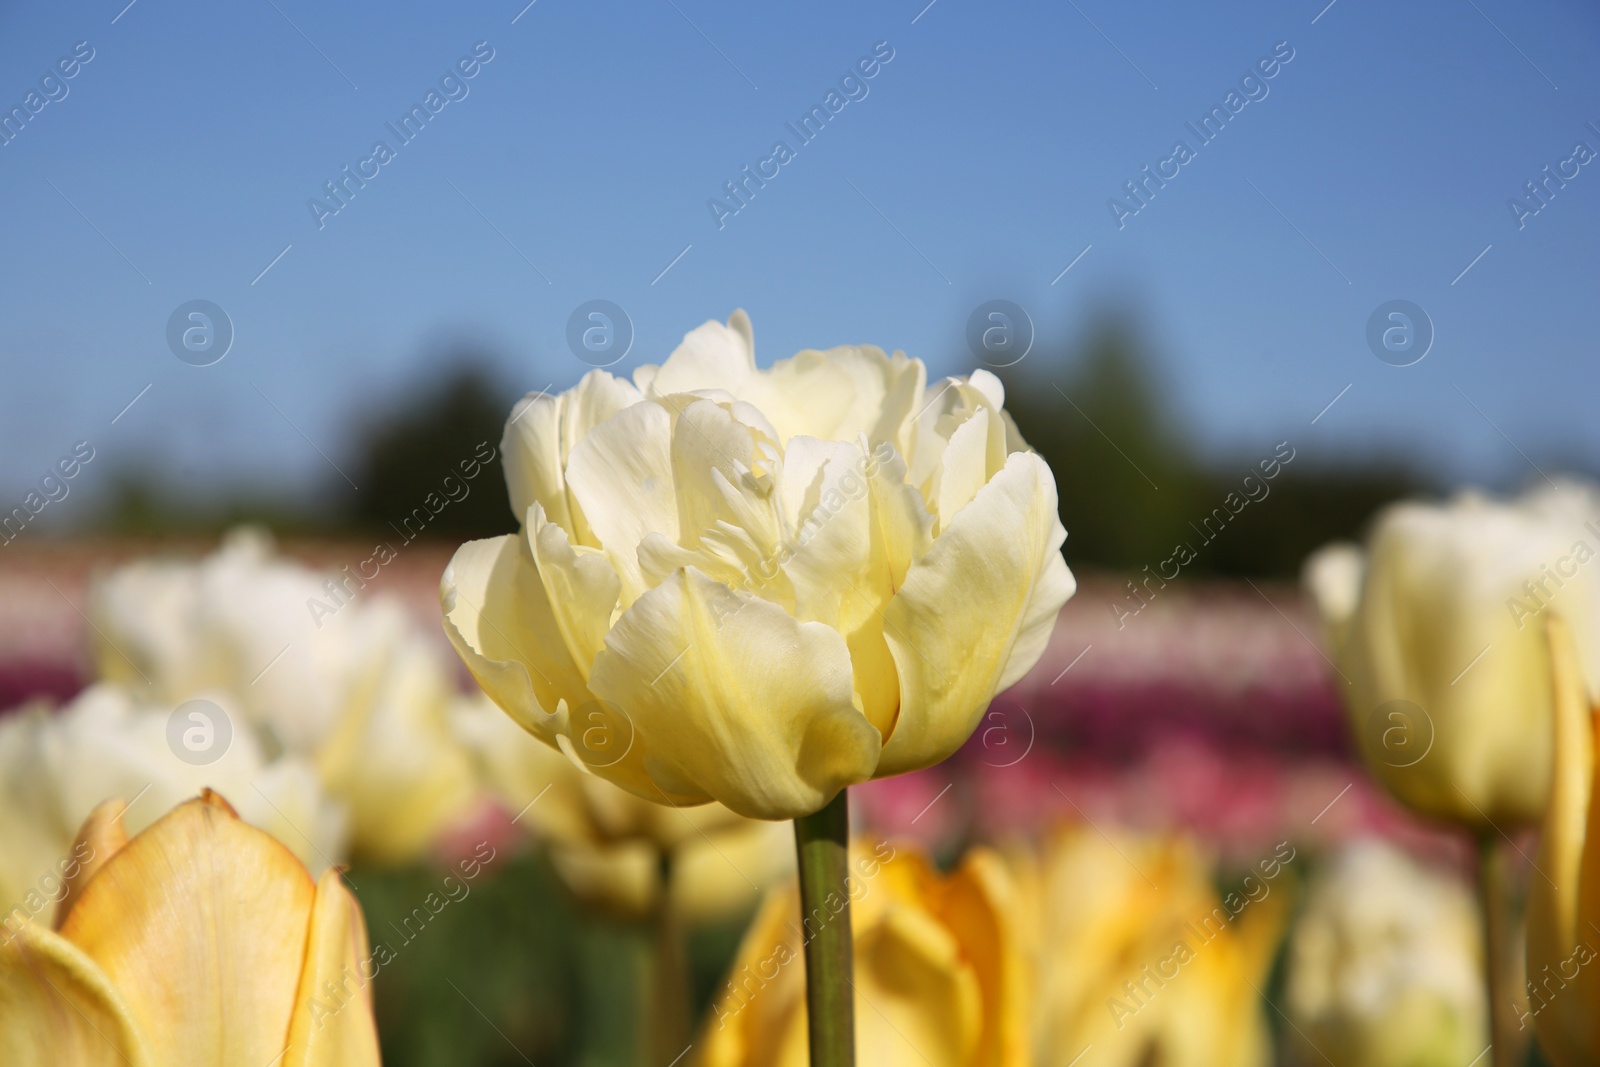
1445, 672
317, 666
1435, 631
1138, 958
619, 853
760, 587
56, 768
940, 979
1383, 966
1563, 972
201, 942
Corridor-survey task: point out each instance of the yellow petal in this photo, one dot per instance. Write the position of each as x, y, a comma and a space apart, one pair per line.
839, 394
332, 1024
975, 612
977, 902
394, 763
498, 617
101, 837
732, 695
712, 356
917, 999
57, 1008
581, 586
621, 474
539, 438
200, 922
839, 567
1564, 905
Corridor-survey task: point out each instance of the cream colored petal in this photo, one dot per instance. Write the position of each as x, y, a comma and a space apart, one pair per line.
964, 468
395, 763
58, 1009
200, 922
733, 696
837, 395
621, 474
332, 1024
581, 585
727, 502
498, 617
840, 572
973, 610
992, 388
712, 356
539, 439
1438, 592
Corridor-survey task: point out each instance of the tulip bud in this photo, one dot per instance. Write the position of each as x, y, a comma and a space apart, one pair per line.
1435, 634
200, 941
1383, 965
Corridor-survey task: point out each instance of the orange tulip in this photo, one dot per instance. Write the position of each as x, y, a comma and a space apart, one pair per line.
200, 942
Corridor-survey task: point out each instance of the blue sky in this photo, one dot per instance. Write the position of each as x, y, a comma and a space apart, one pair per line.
980, 164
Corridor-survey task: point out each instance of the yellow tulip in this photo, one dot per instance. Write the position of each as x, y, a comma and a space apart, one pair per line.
611, 848
200, 942
1137, 957
939, 974
760, 587
1384, 966
1435, 630
1564, 894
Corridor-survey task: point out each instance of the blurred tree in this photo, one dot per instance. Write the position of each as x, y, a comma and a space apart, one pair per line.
1124, 472
1133, 487
408, 451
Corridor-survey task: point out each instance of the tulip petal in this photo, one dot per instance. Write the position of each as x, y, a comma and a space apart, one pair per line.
621, 474
332, 1024
754, 709
101, 837
917, 999
837, 395
539, 438
1564, 898
839, 567
581, 587
712, 356
498, 617
200, 922
975, 612
977, 902
58, 1007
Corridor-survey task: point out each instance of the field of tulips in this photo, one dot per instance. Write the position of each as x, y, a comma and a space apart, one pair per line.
475, 809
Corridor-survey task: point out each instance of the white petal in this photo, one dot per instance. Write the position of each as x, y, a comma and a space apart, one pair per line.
974, 611
621, 474
732, 695
712, 356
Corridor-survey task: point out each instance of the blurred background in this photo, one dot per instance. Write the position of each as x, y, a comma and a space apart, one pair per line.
1374, 265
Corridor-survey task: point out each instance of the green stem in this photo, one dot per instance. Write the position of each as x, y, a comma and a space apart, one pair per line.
822, 841
1494, 895
669, 1020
